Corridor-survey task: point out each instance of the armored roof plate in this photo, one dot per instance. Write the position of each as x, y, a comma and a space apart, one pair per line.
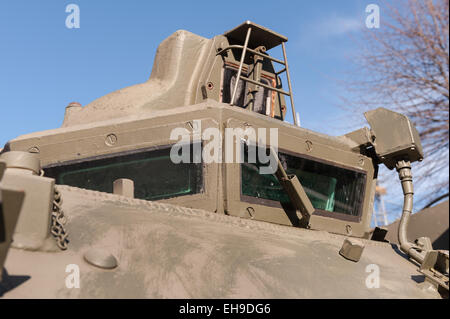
259, 36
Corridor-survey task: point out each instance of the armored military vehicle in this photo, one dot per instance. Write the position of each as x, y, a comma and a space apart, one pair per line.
193, 185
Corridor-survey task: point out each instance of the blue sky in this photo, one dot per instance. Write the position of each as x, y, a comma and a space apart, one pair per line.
44, 65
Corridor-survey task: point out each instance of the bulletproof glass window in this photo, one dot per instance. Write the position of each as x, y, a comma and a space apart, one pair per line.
154, 174
330, 188
262, 98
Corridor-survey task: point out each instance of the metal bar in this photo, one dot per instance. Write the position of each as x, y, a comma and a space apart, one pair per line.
294, 190
264, 85
235, 46
244, 51
383, 209
289, 83
279, 72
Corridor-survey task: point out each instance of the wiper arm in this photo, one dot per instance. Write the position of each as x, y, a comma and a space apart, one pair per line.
295, 191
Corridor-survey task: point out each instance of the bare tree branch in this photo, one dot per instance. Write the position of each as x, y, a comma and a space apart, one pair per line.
404, 66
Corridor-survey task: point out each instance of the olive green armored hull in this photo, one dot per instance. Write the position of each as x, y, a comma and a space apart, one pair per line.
165, 251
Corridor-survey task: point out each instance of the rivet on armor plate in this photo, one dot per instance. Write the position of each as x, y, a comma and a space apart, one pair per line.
34, 149
309, 146
251, 212
111, 139
348, 229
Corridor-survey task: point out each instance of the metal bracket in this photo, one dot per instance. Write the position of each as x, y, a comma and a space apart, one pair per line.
435, 268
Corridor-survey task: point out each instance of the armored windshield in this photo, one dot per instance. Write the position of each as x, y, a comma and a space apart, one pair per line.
330, 188
154, 175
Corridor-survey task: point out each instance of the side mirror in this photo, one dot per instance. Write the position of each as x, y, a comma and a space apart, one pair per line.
396, 138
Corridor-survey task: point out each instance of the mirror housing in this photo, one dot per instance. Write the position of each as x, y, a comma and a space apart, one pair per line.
396, 138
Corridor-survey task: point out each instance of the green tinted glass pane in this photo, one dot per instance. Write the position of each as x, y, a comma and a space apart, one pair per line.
328, 187
319, 188
261, 185
154, 175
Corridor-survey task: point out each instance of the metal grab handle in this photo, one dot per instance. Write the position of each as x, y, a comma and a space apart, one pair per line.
264, 85
241, 63
266, 56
